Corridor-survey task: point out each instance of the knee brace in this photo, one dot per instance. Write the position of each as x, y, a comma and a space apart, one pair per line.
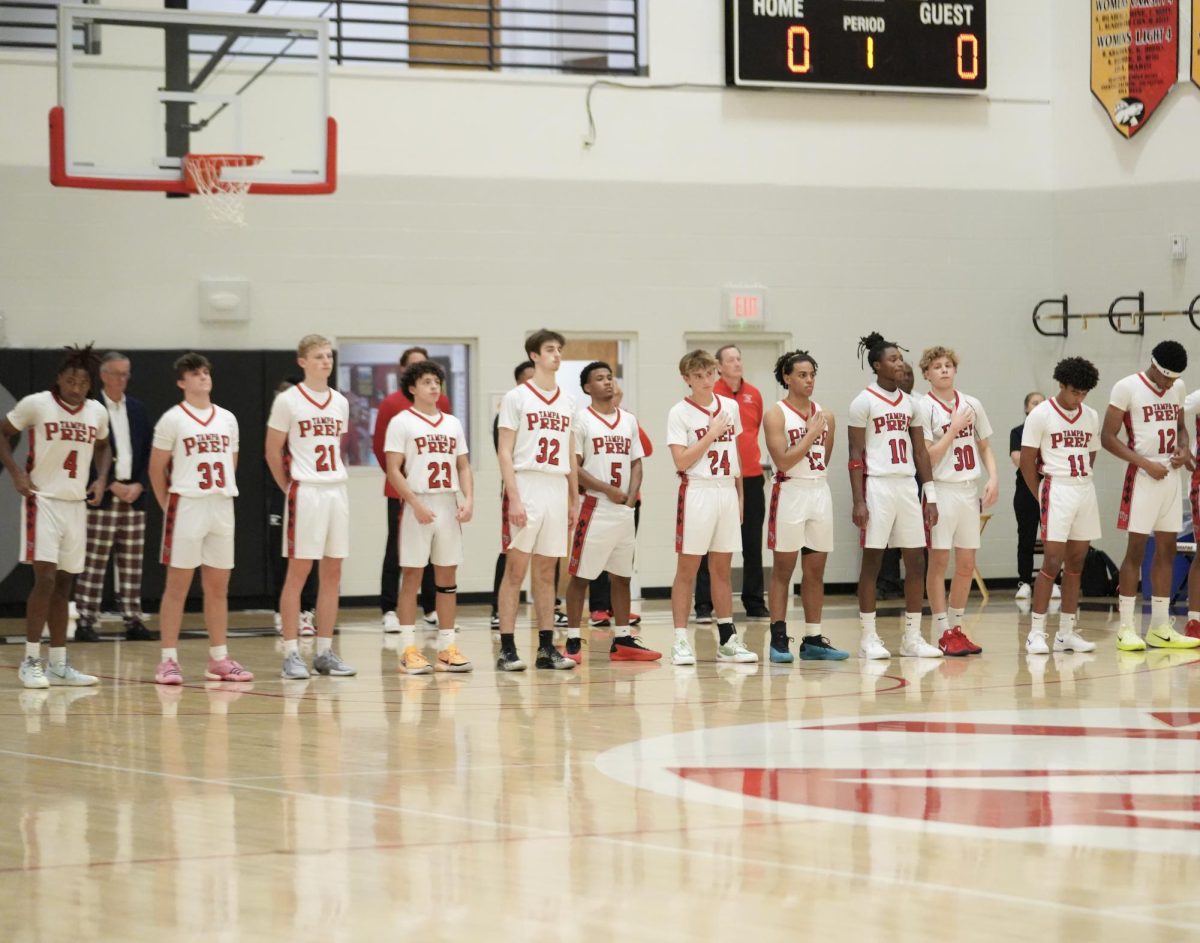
449, 590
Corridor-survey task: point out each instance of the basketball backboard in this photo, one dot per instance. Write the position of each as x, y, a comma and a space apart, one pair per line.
150, 86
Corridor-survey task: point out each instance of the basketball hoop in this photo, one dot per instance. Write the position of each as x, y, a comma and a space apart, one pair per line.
225, 199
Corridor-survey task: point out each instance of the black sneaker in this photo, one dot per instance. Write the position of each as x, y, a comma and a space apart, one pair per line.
574, 650
758, 614
136, 631
560, 619
704, 615
509, 661
553, 659
85, 632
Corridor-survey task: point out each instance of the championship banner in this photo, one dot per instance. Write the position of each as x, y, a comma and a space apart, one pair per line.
1135, 58
1196, 42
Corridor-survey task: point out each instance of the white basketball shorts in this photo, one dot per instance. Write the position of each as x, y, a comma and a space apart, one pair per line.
801, 515
316, 521
438, 542
706, 517
545, 499
604, 539
894, 518
55, 532
1149, 506
958, 516
1069, 511
198, 531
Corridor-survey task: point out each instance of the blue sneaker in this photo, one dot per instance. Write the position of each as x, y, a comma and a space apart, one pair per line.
779, 650
818, 648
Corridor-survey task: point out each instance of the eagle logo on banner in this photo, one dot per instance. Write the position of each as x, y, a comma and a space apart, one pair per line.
1135, 58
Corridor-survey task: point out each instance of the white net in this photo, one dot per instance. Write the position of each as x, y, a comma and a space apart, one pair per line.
225, 199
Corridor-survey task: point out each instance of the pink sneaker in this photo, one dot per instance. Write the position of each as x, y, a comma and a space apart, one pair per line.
226, 670
168, 672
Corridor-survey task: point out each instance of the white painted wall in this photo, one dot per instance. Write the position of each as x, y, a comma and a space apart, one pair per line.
469, 209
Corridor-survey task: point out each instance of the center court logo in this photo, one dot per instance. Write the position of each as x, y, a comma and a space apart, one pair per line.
1122, 779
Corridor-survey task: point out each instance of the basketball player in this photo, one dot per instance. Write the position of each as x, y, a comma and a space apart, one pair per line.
887, 446
1060, 440
957, 434
427, 465
800, 522
308, 421
193, 463
1149, 406
702, 431
541, 499
609, 450
66, 432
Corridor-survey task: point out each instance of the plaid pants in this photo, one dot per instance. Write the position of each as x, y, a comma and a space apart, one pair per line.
120, 530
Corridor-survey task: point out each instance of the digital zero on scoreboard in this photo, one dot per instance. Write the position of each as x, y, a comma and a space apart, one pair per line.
885, 45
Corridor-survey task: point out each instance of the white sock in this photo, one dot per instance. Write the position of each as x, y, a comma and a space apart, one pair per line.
912, 623
1066, 624
407, 635
681, 635
573, 633
218, 652
955, 616
1160, 610
867, 621
445, 639
291, 647
1125, 608
33, 649
727, 620
622, 631
324, 645
941, 623
812, 629
170, 653
58, 656
1038, 623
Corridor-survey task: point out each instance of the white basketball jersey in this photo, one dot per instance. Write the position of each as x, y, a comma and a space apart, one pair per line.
62, 440
961, 461
1151, 415
1064, 440
430, 447
315, 424
795, 428
688, 422
1191, 407
607, 446
203, 446
886, 418
542, 422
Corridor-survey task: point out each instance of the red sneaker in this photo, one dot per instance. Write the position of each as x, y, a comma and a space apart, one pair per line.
973, 649
574, 650
635, 619
632, 649
601, 618
1193, 628
953, 643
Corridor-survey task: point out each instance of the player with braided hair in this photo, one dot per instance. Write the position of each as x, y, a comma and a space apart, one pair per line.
800, 521
66, 432
1060, 441
887, 447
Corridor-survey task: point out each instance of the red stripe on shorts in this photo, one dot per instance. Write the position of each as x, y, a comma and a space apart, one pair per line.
771, 515
1126, 498
679, 509
505, 529
169, 528
291, 516
1045, 506
581, 529
31, 510
925, 524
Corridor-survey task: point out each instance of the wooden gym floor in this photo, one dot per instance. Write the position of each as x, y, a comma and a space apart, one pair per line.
995, 797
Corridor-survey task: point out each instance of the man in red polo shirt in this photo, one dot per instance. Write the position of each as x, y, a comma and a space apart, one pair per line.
389, 579
732, 383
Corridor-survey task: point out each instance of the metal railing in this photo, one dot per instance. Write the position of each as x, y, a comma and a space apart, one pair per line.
568, 36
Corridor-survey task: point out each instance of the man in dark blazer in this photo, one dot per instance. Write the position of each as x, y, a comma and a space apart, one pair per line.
118, 525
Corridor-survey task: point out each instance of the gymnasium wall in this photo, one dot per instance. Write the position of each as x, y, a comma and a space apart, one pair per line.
469, 209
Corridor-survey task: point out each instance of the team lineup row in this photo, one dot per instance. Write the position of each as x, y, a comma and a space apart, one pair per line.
571, 480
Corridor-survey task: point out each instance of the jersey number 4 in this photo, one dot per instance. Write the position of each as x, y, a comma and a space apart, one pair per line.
211, 476
71, 464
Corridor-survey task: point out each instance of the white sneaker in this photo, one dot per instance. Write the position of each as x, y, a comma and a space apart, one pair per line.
734, 650
390, 622
1073, 642
307, 625
682, 654
32, 674
871, 646
430, 618
1055, 592
915, 646
66, 676
1128, 640
278, 620
1024, 591
1035, 644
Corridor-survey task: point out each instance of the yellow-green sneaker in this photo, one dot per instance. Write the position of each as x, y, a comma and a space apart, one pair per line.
1165, 636
1128, 640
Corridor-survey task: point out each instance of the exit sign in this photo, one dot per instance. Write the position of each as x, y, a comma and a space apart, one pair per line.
744, 307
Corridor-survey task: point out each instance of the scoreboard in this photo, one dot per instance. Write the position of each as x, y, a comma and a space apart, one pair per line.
880, 45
